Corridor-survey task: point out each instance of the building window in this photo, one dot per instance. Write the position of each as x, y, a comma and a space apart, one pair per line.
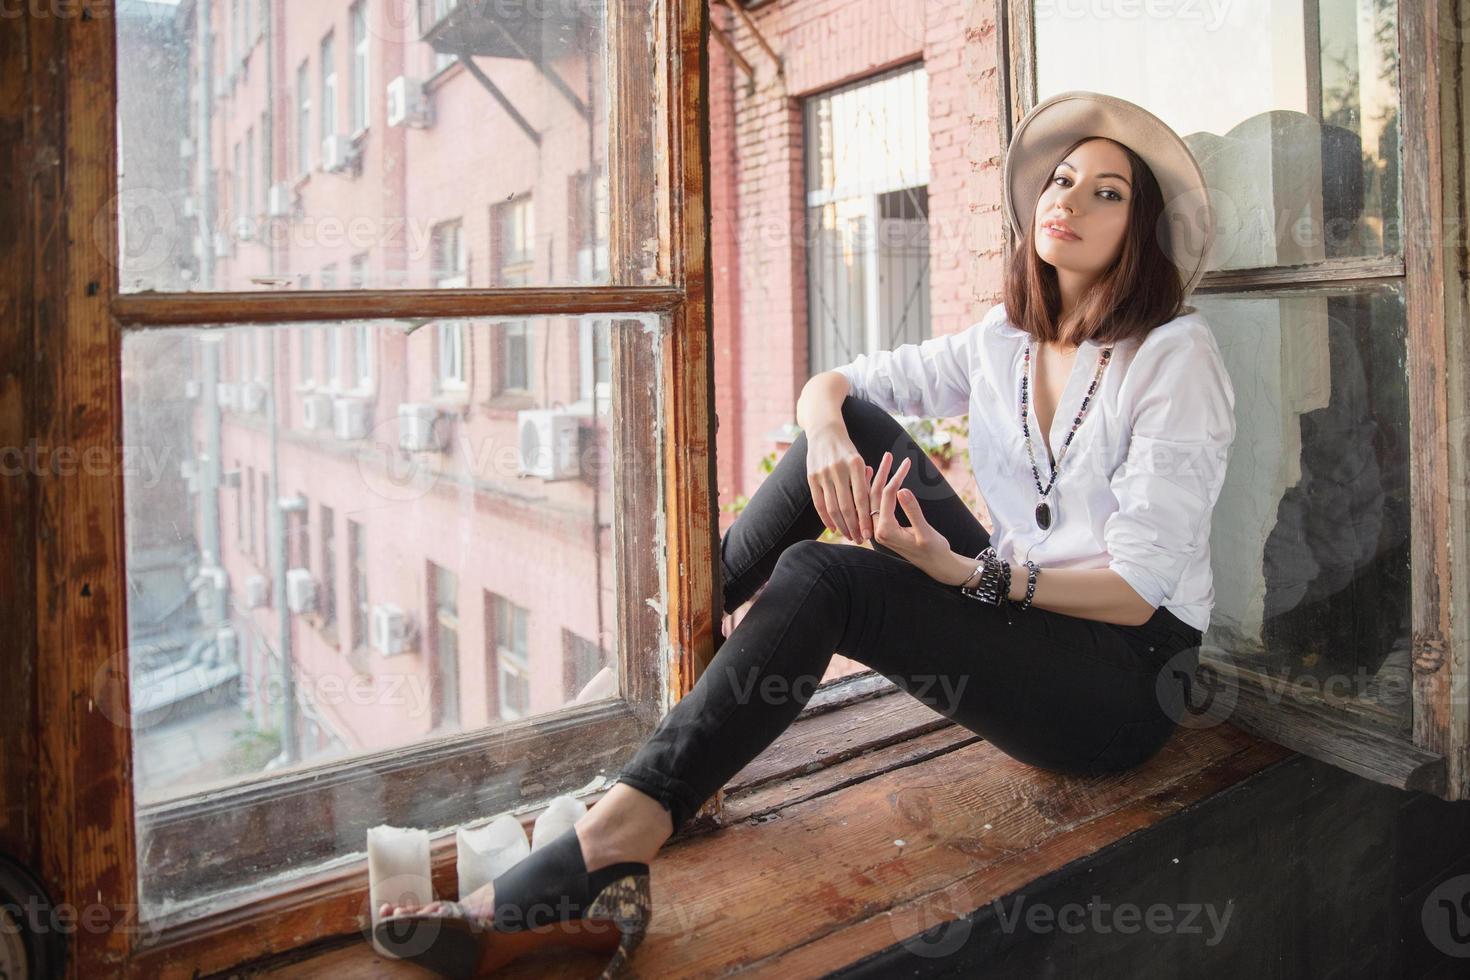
235, 34
360, 336
306, 338
447, 270
512, 355
581, 660
329, 89
359, 67
333, 364
238, 190
513, 231
357, 581
444, 649
357, 271
509, 667
303, 118
329, 568
589, 222
266, 171
867, 212
300, 551
239, 507
248, 202
595, 357
250, 510
265, 517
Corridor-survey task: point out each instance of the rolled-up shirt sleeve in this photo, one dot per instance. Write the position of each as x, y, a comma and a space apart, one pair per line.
930, 379
1183, 425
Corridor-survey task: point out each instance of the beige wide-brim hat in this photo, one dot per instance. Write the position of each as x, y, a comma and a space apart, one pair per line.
1187, 231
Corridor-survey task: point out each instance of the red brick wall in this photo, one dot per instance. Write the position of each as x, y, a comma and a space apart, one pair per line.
757, 189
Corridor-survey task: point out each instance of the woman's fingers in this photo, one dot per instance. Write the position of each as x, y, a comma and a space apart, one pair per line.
842, 489
891, 487
858, 487
819, 501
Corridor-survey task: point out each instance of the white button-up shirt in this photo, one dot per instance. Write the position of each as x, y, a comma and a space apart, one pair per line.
1139, 481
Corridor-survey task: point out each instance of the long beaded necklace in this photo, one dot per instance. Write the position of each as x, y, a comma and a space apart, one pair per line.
1044, 510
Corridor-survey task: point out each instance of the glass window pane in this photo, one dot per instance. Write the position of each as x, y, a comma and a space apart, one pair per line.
1310, 538
867, 176
1294, 121
372, 569
371, 133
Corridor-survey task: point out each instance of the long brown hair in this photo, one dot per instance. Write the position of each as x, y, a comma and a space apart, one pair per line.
1139, 291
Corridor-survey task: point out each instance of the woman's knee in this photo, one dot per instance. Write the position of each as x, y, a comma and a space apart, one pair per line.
806, 559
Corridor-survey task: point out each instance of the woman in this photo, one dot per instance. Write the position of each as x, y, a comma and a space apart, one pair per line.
1101, 417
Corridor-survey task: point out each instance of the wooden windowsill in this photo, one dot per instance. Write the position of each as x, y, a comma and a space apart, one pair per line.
806, 872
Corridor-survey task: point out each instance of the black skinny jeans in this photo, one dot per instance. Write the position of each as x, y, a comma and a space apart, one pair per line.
1056, 691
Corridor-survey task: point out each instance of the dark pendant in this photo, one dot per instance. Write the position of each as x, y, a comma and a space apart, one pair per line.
1043, 515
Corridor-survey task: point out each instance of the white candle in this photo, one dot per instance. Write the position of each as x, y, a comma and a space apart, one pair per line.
398, 869
559, 814
484, 852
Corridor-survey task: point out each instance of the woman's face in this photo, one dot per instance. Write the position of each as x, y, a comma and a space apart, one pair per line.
1090, 192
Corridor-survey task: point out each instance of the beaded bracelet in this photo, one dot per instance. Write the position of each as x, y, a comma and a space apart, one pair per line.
1032, 571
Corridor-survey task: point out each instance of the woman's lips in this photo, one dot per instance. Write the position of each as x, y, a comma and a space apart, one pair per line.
1059, 234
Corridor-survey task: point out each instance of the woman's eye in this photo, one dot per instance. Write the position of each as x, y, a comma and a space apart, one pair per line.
1106, 190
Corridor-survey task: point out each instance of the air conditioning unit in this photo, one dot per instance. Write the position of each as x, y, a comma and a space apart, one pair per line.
213, 593
256, 591
223, 246
186, 147
278, 200
191, 388
227, 645
547, 443
421, 428
189, 468
350, 418
244, 228
316, 411
227, 393
409, 103
391, 630
252, 397
300, 590
336, 150
187, 206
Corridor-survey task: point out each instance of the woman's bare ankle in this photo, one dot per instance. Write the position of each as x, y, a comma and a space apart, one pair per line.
625, 825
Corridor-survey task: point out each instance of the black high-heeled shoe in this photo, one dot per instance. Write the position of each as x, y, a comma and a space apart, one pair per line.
546, 898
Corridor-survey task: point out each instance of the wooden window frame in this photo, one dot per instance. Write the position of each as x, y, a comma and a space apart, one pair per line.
1436, 759
71, 598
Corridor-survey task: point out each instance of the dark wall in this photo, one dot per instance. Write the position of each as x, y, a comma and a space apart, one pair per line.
1322, 875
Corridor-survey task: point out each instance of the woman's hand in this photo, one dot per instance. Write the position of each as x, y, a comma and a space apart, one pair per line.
919, 543
837, 476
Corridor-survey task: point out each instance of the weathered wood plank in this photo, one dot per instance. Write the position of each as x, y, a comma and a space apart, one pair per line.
823, 883
18, 254
768, 798
85, 745
816, 741
1438, 721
